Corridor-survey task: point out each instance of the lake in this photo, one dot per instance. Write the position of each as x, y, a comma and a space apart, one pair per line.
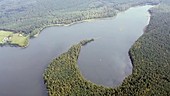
104, 61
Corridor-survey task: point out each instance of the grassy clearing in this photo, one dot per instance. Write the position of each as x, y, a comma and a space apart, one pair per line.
4, 34
19, 40
7, 37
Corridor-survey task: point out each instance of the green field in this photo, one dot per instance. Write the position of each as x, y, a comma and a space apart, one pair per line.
4, 34
13, 38
22, 41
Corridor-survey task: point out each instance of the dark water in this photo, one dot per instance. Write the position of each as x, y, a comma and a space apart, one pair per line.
104, 61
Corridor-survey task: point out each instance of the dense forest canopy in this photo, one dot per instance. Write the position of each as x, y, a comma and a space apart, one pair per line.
150, 54
31, 16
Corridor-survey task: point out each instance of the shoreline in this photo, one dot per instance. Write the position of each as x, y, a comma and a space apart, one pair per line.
67, 61
8, 38
142, 81
78, 22
90, 20
52, 66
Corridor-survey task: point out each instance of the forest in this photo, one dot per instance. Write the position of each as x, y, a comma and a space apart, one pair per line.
32, 16
150, 57
150, 54
62, 77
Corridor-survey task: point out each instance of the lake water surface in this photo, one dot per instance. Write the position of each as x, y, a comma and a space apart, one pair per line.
104, 61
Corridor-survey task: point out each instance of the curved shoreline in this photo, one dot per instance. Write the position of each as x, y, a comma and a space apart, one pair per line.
54, 64
140, 76
73, 81
76, 22
93, 19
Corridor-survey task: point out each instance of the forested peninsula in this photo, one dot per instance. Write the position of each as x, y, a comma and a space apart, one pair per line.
150, 56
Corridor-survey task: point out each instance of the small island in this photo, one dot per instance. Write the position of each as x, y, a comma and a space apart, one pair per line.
84, 42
